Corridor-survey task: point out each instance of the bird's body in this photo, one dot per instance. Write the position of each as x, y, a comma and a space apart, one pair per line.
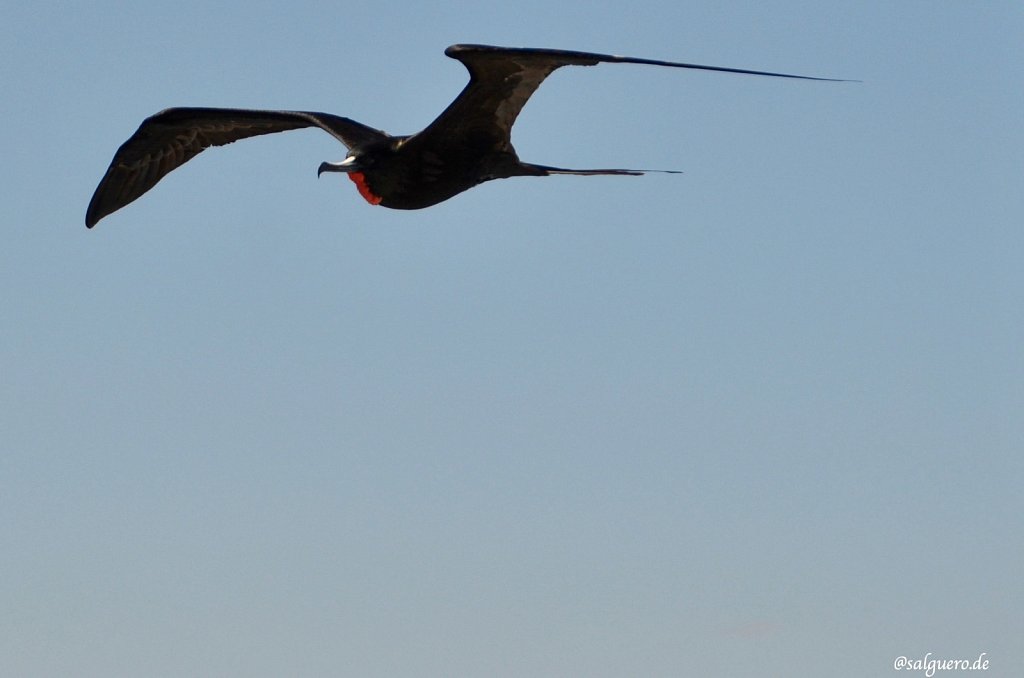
468, 144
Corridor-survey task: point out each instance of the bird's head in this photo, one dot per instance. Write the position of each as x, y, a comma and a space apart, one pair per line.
355, 165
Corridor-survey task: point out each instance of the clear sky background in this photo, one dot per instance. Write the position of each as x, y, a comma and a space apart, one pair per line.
763, 418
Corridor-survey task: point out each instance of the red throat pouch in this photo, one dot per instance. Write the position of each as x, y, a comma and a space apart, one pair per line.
360, 181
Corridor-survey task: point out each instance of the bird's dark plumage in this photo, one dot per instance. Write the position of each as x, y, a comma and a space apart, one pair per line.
469, 143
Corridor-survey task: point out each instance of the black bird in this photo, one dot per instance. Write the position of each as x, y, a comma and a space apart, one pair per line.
468, 144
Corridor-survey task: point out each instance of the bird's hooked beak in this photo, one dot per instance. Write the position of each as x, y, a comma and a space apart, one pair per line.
349, 164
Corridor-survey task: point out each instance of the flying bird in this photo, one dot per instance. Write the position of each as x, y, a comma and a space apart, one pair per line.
468, 144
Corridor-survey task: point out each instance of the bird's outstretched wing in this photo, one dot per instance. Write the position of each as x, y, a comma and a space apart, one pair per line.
174, 136
502, 79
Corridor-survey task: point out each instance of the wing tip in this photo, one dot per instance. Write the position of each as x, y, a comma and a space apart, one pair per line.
91, 219
92, 216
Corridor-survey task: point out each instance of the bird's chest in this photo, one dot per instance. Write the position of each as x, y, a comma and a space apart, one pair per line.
424, 179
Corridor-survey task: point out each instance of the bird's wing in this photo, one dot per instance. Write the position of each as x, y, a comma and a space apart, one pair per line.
502, 79
174, 136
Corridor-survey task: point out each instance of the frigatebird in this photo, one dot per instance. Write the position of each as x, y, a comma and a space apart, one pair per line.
468, 144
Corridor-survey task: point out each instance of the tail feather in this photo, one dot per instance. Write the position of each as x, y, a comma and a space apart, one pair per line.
546, 169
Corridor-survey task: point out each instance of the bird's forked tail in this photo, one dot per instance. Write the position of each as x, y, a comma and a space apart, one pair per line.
545, 169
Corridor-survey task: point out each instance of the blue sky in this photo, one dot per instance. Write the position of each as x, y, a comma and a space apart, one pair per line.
759, 419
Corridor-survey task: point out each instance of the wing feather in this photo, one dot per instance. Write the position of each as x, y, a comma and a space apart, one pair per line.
174, 136
502, 80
